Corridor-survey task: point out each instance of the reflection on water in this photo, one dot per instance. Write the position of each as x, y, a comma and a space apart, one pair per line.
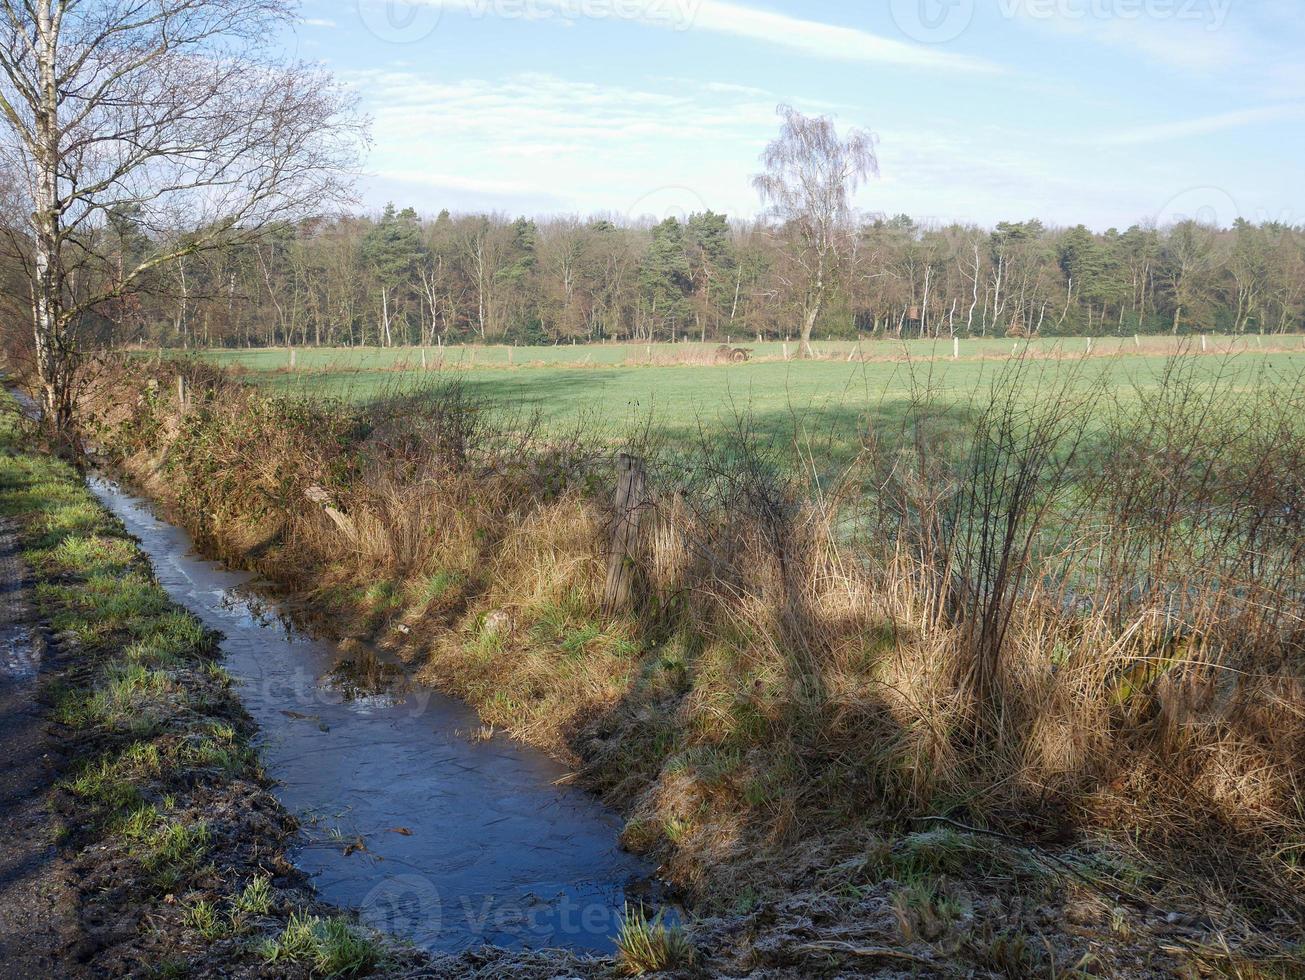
450, 841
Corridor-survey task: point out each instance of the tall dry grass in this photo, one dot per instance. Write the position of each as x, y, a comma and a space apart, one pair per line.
1058, 609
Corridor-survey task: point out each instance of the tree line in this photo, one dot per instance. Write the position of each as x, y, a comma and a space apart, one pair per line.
400, 279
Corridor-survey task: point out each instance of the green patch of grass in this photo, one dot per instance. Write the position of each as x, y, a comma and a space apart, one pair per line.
175, 850
111, 783
1012, 955
383, 596
647, 945
331, 947
944, 852
437, 587
172, 968
927, 909
571, 625
255, 898
204, 918
140, 823
218, 749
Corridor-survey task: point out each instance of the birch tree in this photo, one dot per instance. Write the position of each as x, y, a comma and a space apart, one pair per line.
810, 180
179, 111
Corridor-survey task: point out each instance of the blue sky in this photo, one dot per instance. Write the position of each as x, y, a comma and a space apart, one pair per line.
1106, 112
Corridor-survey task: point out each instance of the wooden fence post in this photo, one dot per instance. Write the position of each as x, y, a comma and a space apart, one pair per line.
183, 394
631, 501
323, 500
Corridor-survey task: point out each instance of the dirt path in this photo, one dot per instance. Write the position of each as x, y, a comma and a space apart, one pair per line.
38, 901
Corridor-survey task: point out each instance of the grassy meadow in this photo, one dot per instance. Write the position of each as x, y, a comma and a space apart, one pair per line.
827, 403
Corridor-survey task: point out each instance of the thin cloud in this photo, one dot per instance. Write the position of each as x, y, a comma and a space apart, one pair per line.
1202, 126
816, 39
828, 41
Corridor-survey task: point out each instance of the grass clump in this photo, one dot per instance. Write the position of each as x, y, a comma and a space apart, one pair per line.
331, 947
651, 946
256, 898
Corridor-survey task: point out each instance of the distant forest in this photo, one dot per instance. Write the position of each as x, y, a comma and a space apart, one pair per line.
401, 279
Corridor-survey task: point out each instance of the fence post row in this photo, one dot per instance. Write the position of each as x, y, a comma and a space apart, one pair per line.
631, 501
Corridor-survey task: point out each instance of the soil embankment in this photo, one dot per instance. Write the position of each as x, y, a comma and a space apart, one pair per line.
141, 836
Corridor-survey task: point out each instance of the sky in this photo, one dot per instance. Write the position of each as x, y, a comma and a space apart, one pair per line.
1100, 112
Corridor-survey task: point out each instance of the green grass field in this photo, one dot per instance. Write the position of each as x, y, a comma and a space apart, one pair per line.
675, 390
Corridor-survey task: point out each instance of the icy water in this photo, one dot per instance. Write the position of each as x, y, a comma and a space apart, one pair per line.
431, 833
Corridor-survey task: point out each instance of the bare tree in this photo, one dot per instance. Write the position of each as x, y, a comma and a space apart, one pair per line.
811, 177
176, 109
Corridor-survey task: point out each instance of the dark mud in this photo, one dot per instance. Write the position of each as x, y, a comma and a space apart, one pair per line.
38, 925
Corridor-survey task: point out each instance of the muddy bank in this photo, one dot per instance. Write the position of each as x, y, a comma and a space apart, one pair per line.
145, 822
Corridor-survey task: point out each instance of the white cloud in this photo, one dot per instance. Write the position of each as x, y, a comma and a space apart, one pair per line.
816, 39
828, 41
318, 22
537, 143
1202, 126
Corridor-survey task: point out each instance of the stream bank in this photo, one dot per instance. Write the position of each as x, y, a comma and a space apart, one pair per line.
432, 828
168, 853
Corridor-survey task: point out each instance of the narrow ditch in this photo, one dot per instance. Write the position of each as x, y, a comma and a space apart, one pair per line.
432, 831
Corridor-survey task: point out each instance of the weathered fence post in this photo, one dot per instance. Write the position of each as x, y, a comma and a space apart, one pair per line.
956, 348
183, 394
323, 500
292, 358
631, 501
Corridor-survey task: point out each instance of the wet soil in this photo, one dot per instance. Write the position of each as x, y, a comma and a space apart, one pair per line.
38, 927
